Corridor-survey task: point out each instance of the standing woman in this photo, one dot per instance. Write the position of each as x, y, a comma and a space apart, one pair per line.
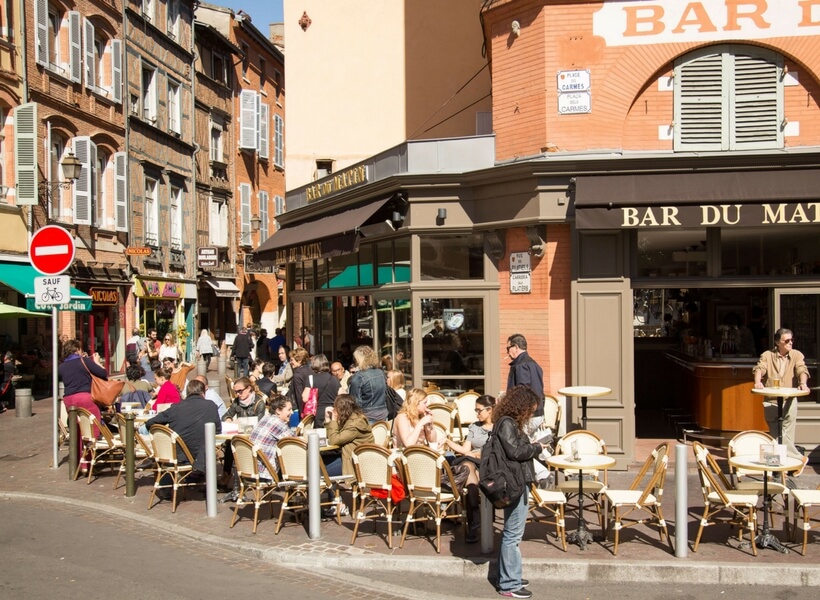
299, 359
328, 387
168, 349
510, 416
74, 373
285, 372
205, 347
368, 385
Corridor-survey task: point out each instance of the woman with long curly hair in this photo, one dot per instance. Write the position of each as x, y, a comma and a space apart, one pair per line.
510, 418
414, 423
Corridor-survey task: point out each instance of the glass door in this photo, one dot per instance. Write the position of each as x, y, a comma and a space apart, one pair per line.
799, 310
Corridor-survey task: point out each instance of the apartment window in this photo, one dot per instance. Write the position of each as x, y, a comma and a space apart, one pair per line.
174, 107
324, 167
246, 60
262, 74
56, 150
218, 222
279, 141
151, 213
216, 149
277, 82
279, 208
176, 218
99, 61
729, 97
100, 192
219, 68
149, 94
263, 215
148, 10
55, 22
173, 19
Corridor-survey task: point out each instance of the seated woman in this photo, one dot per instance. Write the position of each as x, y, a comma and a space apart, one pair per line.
246, 404
136, 389
167, 392
414, 423
179, 372
395, 379
347, 428
469, 453
272, 428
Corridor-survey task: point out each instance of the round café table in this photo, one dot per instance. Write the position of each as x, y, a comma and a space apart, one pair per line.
781, 393
584, 392
751, 462
585, 462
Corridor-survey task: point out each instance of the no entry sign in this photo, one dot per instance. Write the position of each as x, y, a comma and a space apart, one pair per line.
51, 250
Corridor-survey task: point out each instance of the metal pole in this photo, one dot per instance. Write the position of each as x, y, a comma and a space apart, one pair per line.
73, 442
681, 500
487, 518
314, 489
210, 469
130, 483
54, 427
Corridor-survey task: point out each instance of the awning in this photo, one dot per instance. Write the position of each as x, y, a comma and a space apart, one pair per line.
20, 276
223, 288
698, 199
328, 236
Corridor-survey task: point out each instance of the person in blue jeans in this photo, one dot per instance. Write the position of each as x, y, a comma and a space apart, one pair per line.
510, 417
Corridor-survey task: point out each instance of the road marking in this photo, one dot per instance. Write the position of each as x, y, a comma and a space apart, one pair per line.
51, 250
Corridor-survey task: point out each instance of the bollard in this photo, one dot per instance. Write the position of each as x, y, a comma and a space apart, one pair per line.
210, 469
201, 366
221, 363
73, 442
22, 402
60, 389
487, 518
130, 460
681, 501
314, 489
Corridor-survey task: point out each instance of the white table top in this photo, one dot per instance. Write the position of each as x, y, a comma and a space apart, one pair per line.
590, 391
752, 462
585, 461
781, 392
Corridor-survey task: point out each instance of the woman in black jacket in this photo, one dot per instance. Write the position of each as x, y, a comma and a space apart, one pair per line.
301, 372
327, 384
510, 417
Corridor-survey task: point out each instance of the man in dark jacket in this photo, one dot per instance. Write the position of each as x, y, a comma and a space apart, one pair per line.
525, 371
242, 345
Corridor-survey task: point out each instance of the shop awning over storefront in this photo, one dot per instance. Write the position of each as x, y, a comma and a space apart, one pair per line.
698, 199
362, 276
223, 288
327, 236
20, 276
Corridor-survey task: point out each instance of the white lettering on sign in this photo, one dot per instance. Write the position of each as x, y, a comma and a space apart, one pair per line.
647, 22
51, 250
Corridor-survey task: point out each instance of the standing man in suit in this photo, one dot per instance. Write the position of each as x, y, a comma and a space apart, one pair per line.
525, 371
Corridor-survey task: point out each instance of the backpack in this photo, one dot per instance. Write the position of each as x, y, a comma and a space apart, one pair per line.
394, 403
499, 481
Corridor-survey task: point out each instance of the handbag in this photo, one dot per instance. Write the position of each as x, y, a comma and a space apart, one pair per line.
103, 391
397, 491
310, 397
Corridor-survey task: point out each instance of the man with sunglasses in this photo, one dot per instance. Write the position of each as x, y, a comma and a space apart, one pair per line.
525, 371
787, 366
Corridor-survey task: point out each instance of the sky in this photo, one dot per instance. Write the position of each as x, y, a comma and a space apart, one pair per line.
262, 12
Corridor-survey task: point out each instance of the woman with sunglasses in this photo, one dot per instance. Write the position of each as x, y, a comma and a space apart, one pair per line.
246, 404
168, 349
469, 453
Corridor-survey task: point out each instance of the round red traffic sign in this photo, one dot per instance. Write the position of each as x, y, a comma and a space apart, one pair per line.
51, 250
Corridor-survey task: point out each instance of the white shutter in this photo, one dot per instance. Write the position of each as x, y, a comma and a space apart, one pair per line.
245, 214
121, 191
25, 153
41, 53
88, 55
757, 102
82, 187
279, 141
213, 223
247, 104
701, 104
264, 130
75, 55
116, 70
263, 216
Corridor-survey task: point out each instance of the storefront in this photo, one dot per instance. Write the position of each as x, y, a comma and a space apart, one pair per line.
168, 306
217, 306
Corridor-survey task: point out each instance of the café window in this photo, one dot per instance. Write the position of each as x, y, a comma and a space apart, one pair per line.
754, 251
452, 257
678, 253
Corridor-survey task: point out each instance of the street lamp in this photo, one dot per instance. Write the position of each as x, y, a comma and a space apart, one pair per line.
256, 223
71, 167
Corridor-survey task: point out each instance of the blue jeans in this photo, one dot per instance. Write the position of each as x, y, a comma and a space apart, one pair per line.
509, 555
242, 367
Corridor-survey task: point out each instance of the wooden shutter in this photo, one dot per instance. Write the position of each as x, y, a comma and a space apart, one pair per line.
75, 55
757, 111
88, 55
247, 105
116, 71
263, 216
25, 154
279, 141
41, 53
245, 214
121, 191
701, 105
82, 187
264, 130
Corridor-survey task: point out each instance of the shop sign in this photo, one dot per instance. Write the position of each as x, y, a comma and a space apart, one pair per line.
104, 296
207, 258
342, 180
254, 266
645, 22
162, 289
73, 305
137, 251
520, 283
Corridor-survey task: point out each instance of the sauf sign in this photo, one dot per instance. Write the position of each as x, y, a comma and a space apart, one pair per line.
669, 21
719, 215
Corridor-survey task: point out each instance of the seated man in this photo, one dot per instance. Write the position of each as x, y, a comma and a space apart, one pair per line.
265, 383
212, 395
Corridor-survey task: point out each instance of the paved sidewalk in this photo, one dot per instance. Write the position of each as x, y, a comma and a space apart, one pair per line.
25, 453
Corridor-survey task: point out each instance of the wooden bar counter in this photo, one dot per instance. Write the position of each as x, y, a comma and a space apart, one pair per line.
721, 388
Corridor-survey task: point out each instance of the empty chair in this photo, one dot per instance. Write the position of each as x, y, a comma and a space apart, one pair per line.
434, 396
373, 487
718, 497
167, 446
381, 433
261, 490
444, 414
105, 451
748, 443
805, 501
586, 442
231, 392
552, 413
465, 404
552, 503
643, 496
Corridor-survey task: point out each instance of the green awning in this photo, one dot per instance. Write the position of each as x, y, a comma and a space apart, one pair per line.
20, 276
362, 276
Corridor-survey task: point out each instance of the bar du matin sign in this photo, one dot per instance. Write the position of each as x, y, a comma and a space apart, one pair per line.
337, 182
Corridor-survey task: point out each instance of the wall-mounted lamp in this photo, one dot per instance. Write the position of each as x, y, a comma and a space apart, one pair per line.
515, 28
256, 223
441, 216
72, 168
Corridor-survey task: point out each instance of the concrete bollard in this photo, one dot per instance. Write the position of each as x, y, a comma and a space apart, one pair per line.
221, 365
201, 366
60, 389
22, 402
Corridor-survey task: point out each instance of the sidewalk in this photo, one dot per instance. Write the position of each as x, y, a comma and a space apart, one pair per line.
25, 475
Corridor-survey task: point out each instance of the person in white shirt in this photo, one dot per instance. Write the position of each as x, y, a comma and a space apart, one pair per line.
212, 395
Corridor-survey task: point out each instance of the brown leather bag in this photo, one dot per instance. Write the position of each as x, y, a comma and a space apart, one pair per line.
103, 391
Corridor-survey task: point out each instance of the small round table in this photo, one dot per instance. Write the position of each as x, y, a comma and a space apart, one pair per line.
584, 392
765, 539
781, 394
581, 535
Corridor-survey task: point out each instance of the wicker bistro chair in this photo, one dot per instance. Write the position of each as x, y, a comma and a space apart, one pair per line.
719, 497
623, 503
305, 425
105, 451
804, 501
373, 487
446, 415
381, 433
552, 503
167, 445
424, 472
293, 459
229, 383
552, 413
465, 404
143, 452
586, 442
261, 490
435, 397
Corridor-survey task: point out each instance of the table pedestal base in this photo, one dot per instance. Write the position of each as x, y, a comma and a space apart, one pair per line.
768, 540
581, 536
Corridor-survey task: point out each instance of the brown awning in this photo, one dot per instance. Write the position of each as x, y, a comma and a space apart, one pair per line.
331, 235
697, 199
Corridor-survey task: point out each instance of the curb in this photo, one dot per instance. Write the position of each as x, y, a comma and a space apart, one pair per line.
680, 572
